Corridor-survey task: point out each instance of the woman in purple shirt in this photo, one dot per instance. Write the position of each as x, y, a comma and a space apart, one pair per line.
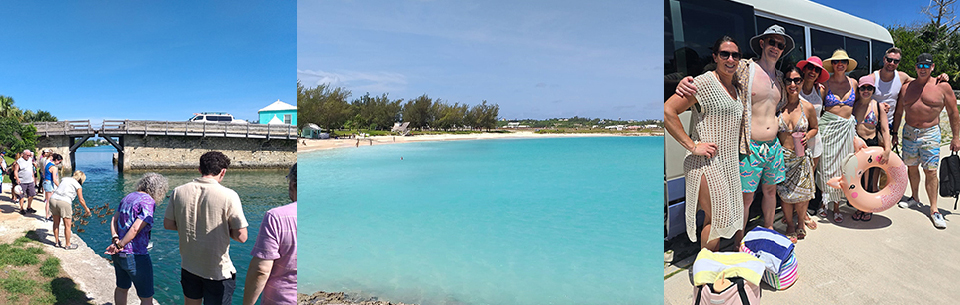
131, 234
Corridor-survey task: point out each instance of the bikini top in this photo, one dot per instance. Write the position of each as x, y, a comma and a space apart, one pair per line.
801, 123
871, 118
832, 100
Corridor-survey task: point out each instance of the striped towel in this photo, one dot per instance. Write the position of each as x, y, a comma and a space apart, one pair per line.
770, 246
785, 277
710, 266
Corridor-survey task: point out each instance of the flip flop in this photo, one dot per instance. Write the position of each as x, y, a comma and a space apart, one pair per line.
812, 225
801, 233
866, 217
857, 216
792, 237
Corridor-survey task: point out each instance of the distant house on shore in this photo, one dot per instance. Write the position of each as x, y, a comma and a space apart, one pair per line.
278, 113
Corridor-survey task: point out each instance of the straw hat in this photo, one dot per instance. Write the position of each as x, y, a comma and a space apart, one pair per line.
772, 30
839, 55
816, 62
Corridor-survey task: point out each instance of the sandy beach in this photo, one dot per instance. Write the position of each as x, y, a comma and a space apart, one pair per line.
308, 145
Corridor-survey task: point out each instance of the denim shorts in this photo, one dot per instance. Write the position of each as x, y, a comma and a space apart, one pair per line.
48, 186
135, 268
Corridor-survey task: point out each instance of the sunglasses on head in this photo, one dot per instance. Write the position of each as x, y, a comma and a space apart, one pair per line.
866, 88
892, 61
724, 55
840, 61
811, 67
795, 80
774, 43
923, 66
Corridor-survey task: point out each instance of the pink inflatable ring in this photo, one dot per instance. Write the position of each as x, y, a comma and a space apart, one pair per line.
856, 165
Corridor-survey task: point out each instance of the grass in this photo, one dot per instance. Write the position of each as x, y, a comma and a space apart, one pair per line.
25, 280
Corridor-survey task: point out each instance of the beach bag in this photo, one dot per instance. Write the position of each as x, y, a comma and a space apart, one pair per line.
776, 252
950, 177
738, 292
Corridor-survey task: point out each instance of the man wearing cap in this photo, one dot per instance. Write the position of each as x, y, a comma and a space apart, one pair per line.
921, 102
761, 156
25, 178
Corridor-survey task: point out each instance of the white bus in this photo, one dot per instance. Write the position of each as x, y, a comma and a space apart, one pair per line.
692, 26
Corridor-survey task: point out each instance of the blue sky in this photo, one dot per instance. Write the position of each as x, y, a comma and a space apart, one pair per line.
536, 59
147, 60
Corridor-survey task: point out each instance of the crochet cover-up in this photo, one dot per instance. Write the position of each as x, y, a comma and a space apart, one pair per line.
718, 121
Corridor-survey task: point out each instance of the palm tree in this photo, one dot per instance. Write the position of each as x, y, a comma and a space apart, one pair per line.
6, 107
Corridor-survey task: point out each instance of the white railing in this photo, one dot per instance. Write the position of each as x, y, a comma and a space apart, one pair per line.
198, 129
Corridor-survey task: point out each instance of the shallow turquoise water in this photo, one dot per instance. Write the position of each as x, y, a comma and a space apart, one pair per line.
514, 221
259, 191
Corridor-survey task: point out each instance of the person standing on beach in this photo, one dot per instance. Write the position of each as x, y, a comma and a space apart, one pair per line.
61, 206
273, 269
25, 173
131, 227
761, 156
921, 102
206, 215
51, 180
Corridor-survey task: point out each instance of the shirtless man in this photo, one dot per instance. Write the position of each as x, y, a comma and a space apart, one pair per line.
761, 156
922, 100
889, 83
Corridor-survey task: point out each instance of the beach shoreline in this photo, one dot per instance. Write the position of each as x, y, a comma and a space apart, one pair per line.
309, 145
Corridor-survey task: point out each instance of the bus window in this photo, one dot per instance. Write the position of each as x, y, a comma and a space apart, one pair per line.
796, 32
878, 51
859, 50
823, 44
702, 22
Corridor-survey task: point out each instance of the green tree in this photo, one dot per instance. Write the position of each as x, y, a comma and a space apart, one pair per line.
327, 107
15, 137
7, 109
418, 112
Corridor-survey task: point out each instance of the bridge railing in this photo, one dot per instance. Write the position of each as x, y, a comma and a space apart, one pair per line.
64, 128
199, 129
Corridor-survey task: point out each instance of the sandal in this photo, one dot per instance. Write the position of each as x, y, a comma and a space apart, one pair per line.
792, 237
59, 245
837, 217
822, 212
801, 233
72, 247
866, 217
857, 216
810, 224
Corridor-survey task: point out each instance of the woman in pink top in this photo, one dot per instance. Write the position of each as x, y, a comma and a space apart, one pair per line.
273, 269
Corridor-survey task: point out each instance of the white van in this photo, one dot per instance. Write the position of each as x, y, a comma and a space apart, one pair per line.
215, 117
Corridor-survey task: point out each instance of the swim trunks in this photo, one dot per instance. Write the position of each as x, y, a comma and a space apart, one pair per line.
764, 165
921, 146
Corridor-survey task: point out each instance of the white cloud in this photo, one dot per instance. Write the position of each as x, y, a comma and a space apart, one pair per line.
354, 80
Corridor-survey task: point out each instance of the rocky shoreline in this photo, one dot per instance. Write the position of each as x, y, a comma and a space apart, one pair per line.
339, 298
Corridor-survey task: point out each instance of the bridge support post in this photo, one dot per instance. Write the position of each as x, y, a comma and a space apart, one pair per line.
119, 147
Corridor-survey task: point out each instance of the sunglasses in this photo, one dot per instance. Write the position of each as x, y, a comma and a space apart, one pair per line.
840, 61
774, 43
892, 61
866, 88
724, 55
811, 67
924, 66
795, 80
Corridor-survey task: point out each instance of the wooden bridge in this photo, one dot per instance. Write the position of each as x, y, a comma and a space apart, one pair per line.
75, 133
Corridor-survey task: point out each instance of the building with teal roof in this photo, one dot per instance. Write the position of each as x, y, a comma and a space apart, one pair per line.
278, 113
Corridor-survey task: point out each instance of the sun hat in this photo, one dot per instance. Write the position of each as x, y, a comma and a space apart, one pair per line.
867, 80
816, 62
773, 29
840, 55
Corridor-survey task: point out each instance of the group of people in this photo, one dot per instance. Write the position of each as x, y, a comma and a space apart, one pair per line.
788, 133
206, 216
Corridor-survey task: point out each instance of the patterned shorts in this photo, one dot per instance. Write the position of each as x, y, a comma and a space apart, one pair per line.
764, 165
921, 146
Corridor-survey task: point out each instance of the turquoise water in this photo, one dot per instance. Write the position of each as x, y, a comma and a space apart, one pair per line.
513, 221
259, 191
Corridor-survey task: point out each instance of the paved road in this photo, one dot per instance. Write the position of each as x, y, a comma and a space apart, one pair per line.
899, 257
